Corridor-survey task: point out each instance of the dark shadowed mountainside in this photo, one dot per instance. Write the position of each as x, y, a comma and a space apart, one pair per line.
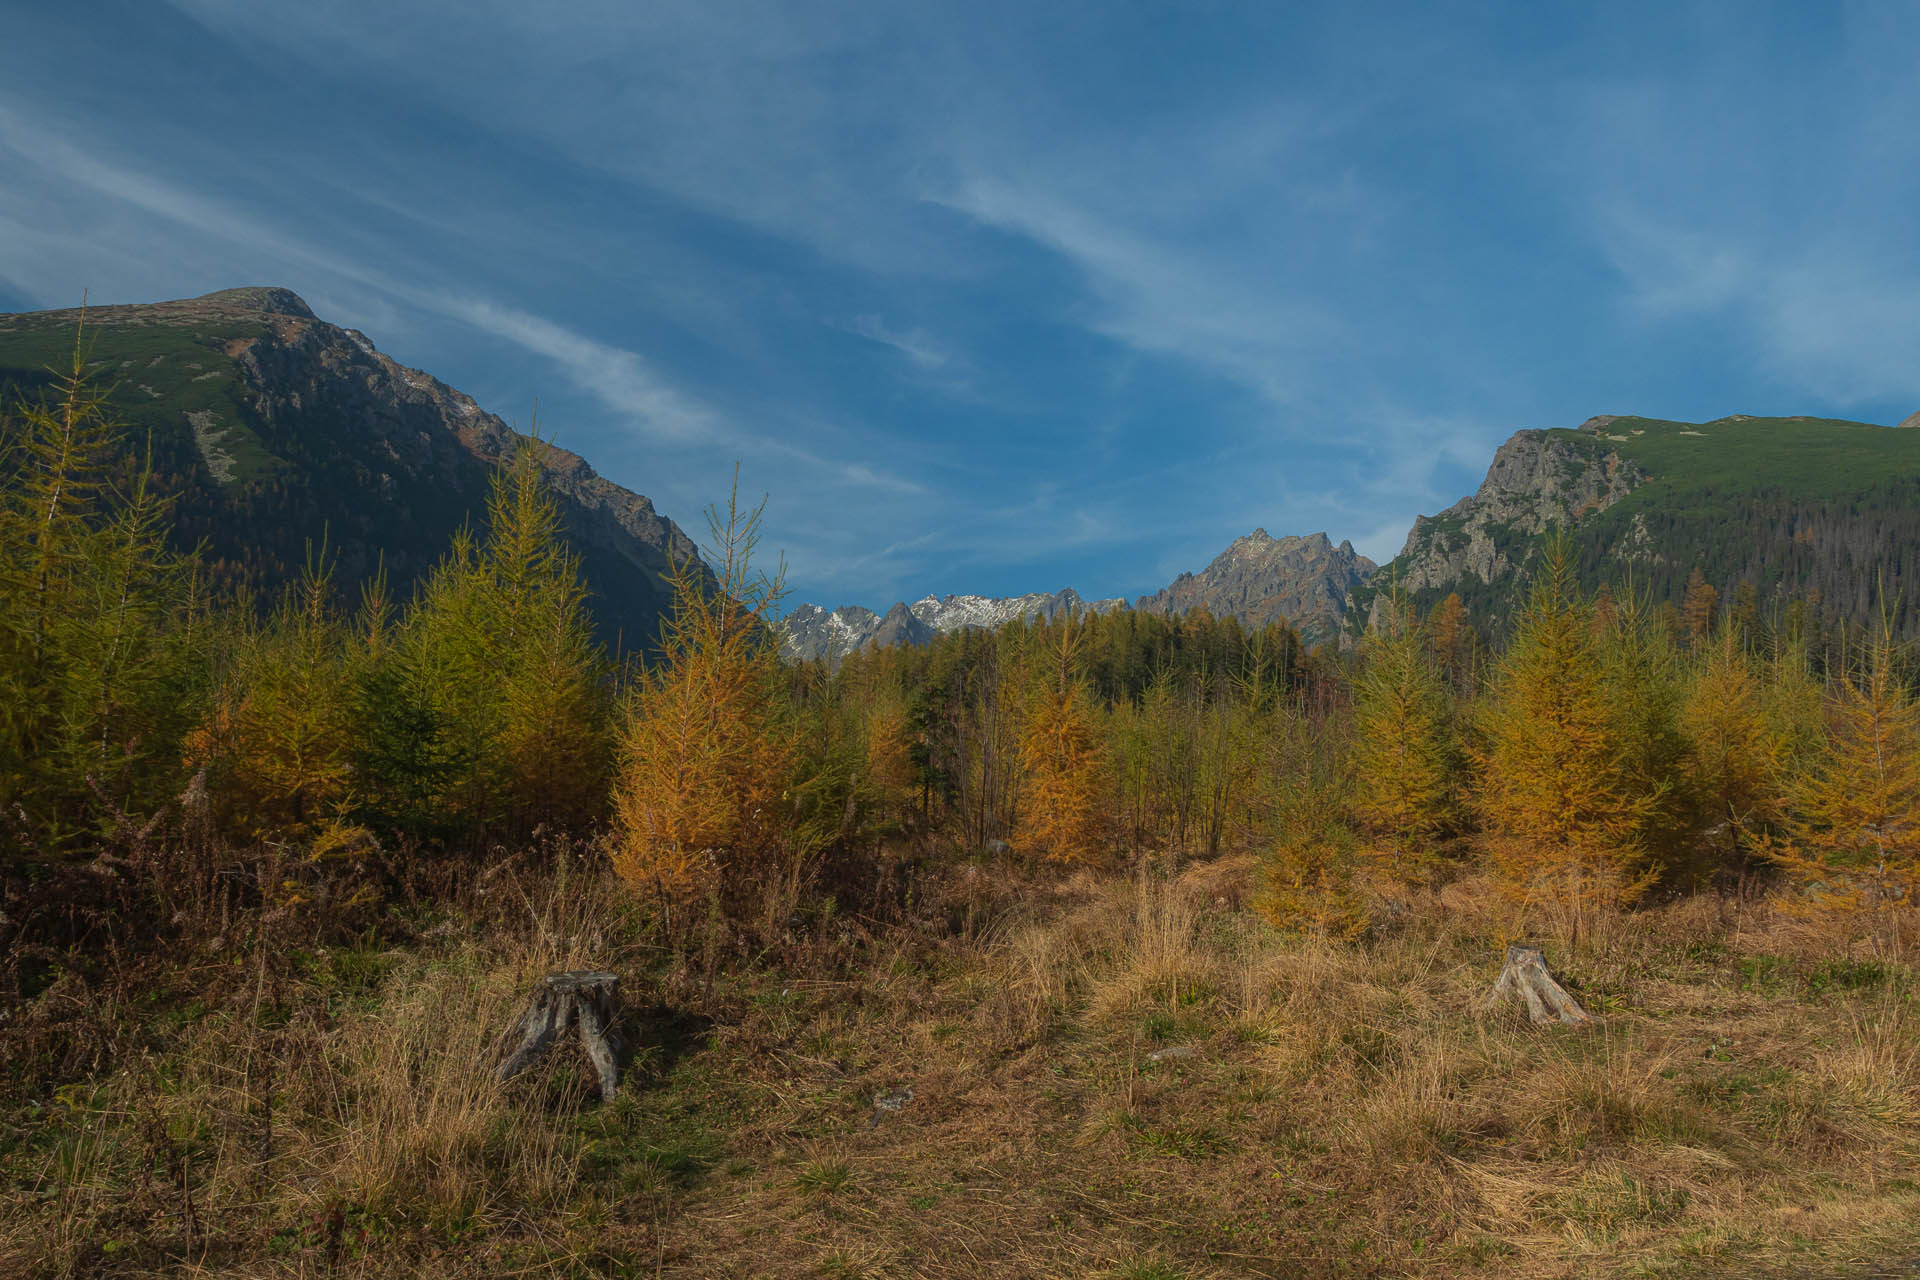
275, 430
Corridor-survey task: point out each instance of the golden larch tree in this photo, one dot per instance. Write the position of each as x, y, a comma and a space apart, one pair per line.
550, 738
706, 756
1456, 645
1736, 749
1404, 752
278, 741
1061, 813
890, 750
1853, 838
1562, 818
1699, 608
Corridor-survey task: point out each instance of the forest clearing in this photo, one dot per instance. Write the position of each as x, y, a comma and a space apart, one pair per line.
1127, 945
1101, 1076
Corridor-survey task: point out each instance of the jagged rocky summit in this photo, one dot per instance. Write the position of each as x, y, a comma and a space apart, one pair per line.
276, 431
1536, 480
1303, 581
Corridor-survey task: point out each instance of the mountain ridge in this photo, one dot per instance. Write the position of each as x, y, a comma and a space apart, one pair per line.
1782, 509
810, 632
1780, 504
276, 430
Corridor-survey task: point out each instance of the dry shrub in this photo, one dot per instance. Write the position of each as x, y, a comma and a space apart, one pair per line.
1871, 1080
422, 1128
1224, 884
1153, 956
1414, 1113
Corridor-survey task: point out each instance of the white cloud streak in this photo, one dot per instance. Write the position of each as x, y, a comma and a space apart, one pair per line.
917, 345
620, 379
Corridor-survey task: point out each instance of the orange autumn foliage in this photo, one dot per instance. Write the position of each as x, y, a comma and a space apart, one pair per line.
1061, 814
1853, 839
706, 753
1562, 811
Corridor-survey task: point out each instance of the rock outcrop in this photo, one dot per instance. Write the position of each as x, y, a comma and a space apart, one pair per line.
1536, 481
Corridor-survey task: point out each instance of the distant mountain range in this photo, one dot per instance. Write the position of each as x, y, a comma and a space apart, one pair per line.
810, 632
275, 430
1259, 579
1773, 509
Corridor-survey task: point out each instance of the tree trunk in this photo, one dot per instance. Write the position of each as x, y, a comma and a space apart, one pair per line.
587, 1001
1526, 976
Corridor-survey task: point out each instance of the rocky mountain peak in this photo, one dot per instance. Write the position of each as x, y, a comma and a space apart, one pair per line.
271, 299
1536, 480
1299, 579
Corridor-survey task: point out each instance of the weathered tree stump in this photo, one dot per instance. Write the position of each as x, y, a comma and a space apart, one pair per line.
1526, 976
584, 1000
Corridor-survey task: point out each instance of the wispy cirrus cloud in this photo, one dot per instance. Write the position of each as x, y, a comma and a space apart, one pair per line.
1162, 298
1837, 317
916, 344
619, 379
1000, 299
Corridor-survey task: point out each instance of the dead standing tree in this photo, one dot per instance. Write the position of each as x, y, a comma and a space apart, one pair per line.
584, 1000
1525, 976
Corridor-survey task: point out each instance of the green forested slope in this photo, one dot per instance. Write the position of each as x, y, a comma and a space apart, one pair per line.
1772, 511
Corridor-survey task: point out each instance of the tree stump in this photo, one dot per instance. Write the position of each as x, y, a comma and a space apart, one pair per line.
584, 1000
1526, 975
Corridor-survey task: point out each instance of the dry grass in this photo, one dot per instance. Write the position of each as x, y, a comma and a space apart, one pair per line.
1135, 1079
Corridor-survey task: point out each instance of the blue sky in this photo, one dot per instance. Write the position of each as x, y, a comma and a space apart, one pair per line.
1008, 297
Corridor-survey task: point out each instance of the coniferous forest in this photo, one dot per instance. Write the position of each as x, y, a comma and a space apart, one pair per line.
1118, 944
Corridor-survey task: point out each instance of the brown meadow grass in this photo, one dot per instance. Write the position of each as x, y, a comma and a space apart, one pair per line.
1749, 1103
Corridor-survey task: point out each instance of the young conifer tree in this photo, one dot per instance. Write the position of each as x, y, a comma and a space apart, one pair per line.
1737, 752
278, 742
985, 762
499, 659
1313, 877
890, 745
701, 796
1405, 753
1853, 838
551, 748
1645, 680
99, 658
1456, 645
405, 756
1699, 609
1062, 814
1131, 767
1564, 819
